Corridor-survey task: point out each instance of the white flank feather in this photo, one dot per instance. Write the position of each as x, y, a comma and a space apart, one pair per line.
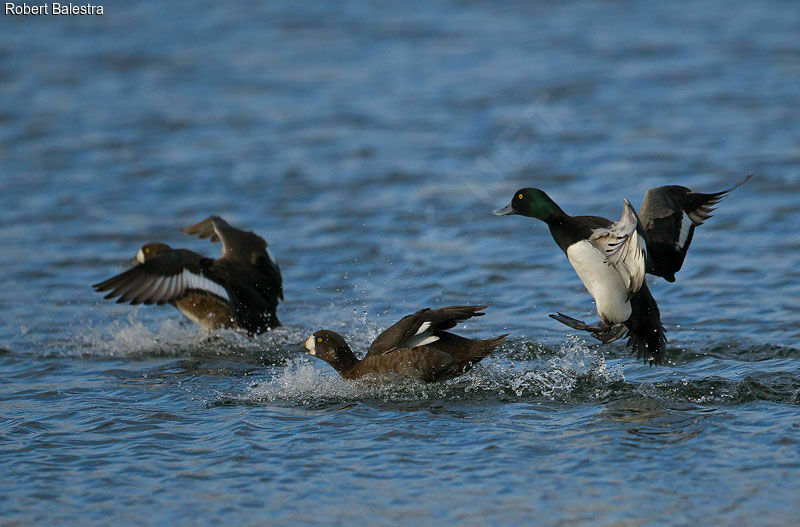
602, 281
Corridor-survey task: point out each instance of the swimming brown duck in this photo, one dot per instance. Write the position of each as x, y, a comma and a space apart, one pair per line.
240, 289
417, 347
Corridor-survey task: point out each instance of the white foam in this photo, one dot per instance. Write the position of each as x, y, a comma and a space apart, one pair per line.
308, 382
176, 336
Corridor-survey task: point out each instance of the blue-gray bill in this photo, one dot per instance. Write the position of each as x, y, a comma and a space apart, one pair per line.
505, 211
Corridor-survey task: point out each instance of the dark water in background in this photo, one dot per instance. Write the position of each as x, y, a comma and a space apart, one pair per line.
368, 143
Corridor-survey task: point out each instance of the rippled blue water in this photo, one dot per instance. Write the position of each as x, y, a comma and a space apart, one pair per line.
368, 142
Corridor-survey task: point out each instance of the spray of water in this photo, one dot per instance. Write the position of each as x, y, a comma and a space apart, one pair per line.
306, 382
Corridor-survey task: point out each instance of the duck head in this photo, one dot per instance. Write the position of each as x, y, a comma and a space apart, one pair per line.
530, 202
149, 250
332, 348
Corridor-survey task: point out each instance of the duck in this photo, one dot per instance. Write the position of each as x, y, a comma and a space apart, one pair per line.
417, 347
612, 258
239, 290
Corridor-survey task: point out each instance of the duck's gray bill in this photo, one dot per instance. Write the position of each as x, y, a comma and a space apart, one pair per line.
505, 211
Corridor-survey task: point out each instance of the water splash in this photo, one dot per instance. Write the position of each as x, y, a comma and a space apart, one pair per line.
303, 382
556, 376
132, 338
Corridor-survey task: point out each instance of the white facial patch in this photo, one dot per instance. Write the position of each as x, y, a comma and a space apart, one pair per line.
140, 256
311, 345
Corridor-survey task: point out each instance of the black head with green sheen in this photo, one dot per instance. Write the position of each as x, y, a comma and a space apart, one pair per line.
530, 202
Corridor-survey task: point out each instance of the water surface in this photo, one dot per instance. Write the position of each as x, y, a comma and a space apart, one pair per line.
368, 143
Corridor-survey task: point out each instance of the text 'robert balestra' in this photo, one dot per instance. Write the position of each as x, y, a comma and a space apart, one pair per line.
52, 9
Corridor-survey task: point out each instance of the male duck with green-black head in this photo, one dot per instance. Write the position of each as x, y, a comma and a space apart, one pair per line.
611, 258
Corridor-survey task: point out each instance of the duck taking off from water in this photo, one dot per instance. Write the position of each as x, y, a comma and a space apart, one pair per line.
611, 258
417, 347
240, 289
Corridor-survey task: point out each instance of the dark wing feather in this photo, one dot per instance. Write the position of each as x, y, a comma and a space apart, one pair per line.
254, 298
237, 244
418, 328
448, 357
163, 279
270, 285
669, 216
204, 229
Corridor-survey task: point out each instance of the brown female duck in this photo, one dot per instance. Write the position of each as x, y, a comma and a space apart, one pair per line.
417, 347
240, 289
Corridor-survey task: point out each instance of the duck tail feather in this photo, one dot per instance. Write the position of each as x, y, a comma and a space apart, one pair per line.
646, 335
487, 347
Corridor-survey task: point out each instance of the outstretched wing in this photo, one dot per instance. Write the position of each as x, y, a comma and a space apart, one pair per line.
624, 246
236, 244
669, 216
245, 247
418, 329
162, 279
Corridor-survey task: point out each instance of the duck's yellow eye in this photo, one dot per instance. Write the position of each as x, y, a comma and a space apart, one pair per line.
519, 196
147, 249
319, 339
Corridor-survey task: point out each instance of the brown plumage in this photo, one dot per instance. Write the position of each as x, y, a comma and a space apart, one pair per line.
416, 347
240, 289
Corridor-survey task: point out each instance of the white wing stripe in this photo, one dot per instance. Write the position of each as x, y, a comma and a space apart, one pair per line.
144, 294
170, 292
420, 339
198, 281
686, 226
161, 292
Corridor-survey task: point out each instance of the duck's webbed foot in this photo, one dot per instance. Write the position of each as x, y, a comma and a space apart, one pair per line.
602, 332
